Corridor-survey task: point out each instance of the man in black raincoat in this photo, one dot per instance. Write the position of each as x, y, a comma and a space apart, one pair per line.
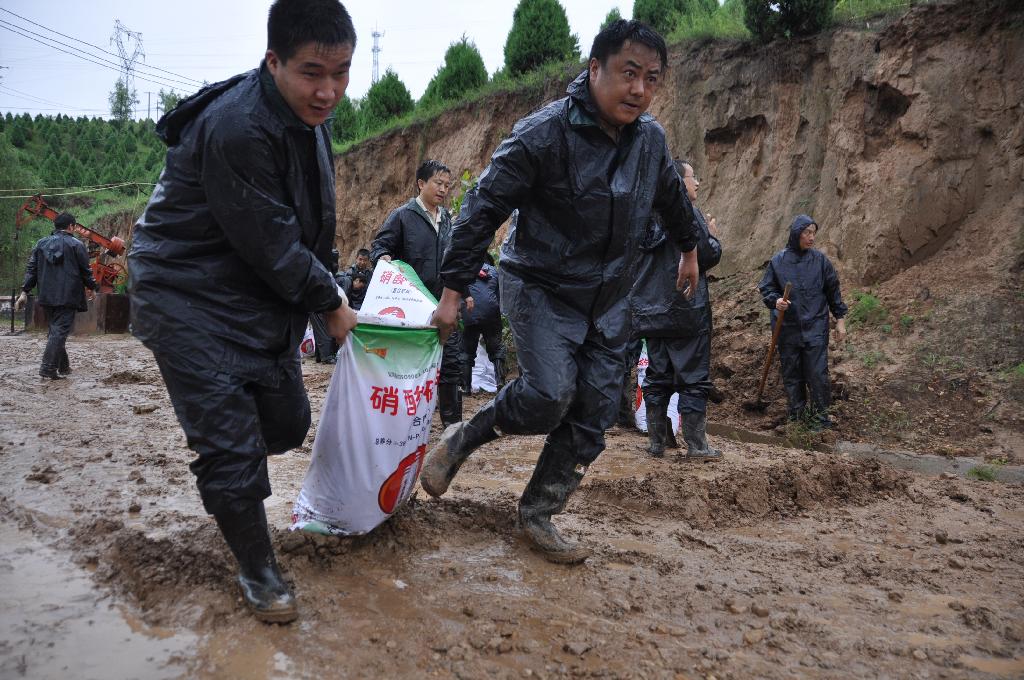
678, 334
59, 265
483, 321
586, 172
229, 259
418, 233
803, 342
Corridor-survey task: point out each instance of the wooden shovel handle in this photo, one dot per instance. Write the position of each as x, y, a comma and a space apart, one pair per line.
775, 340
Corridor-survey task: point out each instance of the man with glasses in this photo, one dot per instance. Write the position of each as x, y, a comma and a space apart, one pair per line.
586, 172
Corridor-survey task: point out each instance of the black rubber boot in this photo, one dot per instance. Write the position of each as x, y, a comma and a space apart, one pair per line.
263, 587
658, 426
695, 436
449, 403
554, 479
500, 373
627, 416
458, 441
64, 366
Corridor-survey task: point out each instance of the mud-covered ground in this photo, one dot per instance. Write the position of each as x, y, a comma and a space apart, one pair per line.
776, 563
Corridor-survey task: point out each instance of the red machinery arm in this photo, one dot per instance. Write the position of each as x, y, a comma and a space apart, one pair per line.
37, 207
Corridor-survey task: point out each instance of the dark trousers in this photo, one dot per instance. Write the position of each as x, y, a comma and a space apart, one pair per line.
326, 346
565, 389
491, 334
232, 425
55, 356
451, 360
680, 365
805, 373
627, 401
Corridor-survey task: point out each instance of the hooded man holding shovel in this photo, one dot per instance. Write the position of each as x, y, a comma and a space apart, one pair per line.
586, 172
803, 340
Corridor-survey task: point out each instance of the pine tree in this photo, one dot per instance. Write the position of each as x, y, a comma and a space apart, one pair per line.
122, 102
463, 71
540, 34
386, 99
345, 125
613, 16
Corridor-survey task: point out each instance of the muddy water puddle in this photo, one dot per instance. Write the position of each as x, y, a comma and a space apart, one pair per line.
55, 624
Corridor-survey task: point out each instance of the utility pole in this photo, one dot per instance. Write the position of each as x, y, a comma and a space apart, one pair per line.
377, 35
129, 47
149, 96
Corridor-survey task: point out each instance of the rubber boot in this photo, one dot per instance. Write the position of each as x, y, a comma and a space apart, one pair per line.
627, 416
458, 441
657, 426
695, 436
64, 365
263, 587
555, 478
500, 373
449, 403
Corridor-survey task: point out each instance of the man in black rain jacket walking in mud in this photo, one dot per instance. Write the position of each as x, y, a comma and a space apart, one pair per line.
59, 265
678, 334
229, 259
586, 172
803, 342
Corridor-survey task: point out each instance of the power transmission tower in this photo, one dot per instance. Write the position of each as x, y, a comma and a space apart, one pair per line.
129, 47
377, 35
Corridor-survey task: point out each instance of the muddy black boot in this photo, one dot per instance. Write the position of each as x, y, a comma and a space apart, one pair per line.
457, 442
658, 427
449, 403
554, 479
263, 587
500, 373
627, 415
695, 436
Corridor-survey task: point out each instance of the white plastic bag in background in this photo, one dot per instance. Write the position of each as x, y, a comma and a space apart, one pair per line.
483, 371
641, 408
372, 435
307, 347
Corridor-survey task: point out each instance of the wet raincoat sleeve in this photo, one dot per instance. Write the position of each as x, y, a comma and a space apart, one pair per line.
674, 207
31, 275
501, 188
82, 259
247, 198
832, 293
389, 238
769, 287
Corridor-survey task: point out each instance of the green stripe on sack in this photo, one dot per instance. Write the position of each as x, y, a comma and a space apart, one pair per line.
407, 347
414, 278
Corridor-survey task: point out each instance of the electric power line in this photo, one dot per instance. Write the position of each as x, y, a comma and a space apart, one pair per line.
96, 47
108, 65
86, 191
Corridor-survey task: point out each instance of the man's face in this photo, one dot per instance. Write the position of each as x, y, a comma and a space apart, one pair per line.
807, 237
362, 262
313, 81
691, 182
434, 190
624, 86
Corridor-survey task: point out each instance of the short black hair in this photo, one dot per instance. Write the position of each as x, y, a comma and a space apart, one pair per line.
360, 276
614, 36
679, 163
64, 220
363, 251
293, 23
429, 168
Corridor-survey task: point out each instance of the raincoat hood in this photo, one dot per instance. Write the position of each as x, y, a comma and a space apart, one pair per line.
800, 222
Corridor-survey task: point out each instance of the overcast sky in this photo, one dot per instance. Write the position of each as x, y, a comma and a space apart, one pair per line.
210, 40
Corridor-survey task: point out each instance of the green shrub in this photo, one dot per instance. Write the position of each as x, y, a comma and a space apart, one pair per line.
665, 15
463, 71
771, 19
906, 321
386, 99
539, 34
866, 309
345, 125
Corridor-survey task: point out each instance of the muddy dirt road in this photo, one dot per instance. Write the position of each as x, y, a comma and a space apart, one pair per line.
777, 563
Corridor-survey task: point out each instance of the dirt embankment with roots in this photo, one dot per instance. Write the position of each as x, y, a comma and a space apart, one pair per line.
904, 140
